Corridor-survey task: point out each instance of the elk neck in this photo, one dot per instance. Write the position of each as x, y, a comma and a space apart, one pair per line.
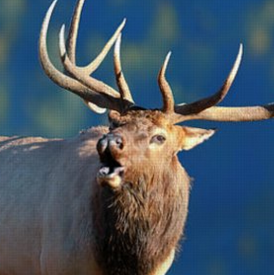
139, 225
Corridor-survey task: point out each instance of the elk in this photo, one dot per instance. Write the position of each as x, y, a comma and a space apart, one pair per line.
111, 200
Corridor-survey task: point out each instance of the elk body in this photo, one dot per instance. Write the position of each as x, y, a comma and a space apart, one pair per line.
112, 200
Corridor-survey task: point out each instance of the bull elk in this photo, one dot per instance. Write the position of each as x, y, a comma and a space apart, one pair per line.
112, 201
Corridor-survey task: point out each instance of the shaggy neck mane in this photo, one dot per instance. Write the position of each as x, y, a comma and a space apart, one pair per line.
137, 226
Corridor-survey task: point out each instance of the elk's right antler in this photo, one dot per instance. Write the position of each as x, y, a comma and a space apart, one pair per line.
95, 93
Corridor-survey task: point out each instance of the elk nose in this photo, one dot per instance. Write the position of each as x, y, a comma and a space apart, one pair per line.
111, 142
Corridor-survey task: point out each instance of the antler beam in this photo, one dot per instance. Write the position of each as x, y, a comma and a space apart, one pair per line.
231, 114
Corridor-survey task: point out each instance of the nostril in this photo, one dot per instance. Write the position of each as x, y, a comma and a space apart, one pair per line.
102, 145
119, 142
116, 141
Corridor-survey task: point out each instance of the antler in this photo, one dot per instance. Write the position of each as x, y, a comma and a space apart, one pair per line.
233, 114
166, 91
205, 109
99, 95
120, 79
95, 93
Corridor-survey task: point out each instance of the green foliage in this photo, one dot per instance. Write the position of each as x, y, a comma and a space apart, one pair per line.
59, 117
4, 101
10, 16
260, 26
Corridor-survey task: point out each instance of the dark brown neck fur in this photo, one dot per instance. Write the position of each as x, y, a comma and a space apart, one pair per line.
139, 225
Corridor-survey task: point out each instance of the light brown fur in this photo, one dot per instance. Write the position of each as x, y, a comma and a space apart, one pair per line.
53, 213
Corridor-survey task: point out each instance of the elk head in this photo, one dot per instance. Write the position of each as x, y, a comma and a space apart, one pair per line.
143, 140
146, 194
157, 129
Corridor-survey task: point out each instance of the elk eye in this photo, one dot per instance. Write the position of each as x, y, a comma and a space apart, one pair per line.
158, 139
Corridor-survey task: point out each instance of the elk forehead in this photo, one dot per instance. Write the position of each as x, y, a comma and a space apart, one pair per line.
141, 119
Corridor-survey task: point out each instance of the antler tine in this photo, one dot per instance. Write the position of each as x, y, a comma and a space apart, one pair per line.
73, 30
71, 44
120, 79
165, 87
90, 82
226, 114
72, 49
199, 106
72, 40
56, 76
98, 60
101, 100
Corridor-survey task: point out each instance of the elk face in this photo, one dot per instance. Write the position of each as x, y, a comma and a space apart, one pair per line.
140, 141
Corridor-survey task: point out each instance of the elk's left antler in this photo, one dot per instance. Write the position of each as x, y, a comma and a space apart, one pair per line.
205, 109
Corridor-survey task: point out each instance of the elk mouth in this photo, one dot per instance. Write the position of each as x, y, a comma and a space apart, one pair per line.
111, 172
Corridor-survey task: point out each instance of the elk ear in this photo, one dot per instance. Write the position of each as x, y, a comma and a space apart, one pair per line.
194, 136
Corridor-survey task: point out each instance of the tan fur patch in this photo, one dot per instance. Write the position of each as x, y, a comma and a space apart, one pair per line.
164, 267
